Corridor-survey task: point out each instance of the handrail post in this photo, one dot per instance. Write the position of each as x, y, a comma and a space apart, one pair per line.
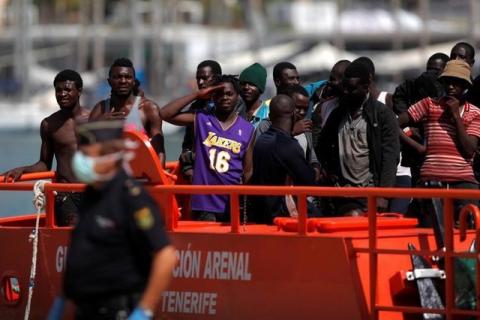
372, 245
49, 206
234, 212
302, 214
449, 247
170, 215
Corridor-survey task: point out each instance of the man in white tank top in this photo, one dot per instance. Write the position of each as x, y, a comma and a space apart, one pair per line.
138, 112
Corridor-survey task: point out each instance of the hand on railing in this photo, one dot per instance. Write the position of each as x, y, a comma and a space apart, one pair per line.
28, 176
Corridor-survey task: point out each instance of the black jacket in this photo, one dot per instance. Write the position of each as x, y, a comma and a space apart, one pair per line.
383, 141
414, 90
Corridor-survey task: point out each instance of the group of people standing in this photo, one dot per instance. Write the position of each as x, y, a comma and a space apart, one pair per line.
340, 132
343, 131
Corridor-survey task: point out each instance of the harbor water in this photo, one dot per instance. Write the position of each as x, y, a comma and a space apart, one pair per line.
19, 148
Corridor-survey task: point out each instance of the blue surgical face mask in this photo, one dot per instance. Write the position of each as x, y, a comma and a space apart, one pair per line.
83, 166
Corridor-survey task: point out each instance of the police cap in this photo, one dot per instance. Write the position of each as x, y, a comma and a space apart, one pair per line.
99, 131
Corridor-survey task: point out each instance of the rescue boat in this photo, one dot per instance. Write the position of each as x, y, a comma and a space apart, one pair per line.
380, 266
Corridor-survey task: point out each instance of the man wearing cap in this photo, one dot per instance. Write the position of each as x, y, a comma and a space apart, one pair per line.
120, 259
252, 85
452, 129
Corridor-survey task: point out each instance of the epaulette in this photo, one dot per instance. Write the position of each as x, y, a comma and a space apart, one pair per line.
133, 188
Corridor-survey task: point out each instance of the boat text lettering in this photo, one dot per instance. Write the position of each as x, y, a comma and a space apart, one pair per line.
189, 302
216, 265
61, 258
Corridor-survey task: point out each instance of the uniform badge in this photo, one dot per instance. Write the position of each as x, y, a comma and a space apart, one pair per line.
132, 188
144, 218
134, 191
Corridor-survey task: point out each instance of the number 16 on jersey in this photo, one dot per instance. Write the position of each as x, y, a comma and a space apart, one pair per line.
219, 160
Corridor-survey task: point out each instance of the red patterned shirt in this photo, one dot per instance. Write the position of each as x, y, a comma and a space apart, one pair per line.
443, 161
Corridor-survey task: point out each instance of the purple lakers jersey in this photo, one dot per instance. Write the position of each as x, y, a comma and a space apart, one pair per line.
219, 157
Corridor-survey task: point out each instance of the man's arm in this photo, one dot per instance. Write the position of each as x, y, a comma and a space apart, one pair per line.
262, 127
248, 161
97, 114
312, 157
390, 145
400, 98
404, 120
154, 125
312, 87
171, 112
467, 143
297, 166
161, 272
43, 164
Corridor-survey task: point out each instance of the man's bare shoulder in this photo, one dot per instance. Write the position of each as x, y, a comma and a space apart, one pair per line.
99, 104
148, 104
54, 117
82, 115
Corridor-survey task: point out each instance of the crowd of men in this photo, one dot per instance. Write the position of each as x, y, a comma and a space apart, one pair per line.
341, 131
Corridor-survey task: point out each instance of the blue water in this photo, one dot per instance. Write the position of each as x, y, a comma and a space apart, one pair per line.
19, 148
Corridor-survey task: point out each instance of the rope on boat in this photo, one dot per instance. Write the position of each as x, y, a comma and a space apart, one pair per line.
39, 203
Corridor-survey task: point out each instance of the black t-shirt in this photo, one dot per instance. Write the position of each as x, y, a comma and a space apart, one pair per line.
276, 155
119, 230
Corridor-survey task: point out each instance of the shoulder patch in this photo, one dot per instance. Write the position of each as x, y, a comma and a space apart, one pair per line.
133, 189
144, 218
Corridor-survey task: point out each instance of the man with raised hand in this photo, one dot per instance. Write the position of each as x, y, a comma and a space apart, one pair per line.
223, 144
138, 112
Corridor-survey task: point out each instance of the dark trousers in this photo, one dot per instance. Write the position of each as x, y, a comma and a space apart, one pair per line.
109, 308
458, 204
66, 208
400, 205
201, 215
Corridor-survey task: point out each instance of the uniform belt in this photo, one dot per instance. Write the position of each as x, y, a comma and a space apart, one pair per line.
127, 301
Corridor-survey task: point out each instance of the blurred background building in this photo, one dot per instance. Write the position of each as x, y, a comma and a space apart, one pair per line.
166, 39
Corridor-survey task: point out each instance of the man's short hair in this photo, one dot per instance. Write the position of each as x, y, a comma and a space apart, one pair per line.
229, 79
367, 62
357, 70
121, 62
469, 49
214, 65
439, 56
279, 67
292, 89
69, 75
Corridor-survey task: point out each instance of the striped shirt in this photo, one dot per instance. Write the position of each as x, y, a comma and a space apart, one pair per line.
443, 160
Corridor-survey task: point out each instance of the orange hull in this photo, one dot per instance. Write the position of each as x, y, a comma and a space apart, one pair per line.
264, 273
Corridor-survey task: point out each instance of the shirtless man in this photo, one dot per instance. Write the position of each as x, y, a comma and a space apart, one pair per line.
123, 100
58, 139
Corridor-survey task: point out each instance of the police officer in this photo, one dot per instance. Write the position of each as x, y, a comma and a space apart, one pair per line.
120, 259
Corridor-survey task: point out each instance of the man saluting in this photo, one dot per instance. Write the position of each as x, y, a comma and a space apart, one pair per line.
120, 259
58, 139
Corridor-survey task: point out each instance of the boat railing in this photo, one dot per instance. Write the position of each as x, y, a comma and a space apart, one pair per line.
301, 193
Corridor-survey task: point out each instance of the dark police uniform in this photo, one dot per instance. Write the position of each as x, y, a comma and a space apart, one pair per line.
110, 255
